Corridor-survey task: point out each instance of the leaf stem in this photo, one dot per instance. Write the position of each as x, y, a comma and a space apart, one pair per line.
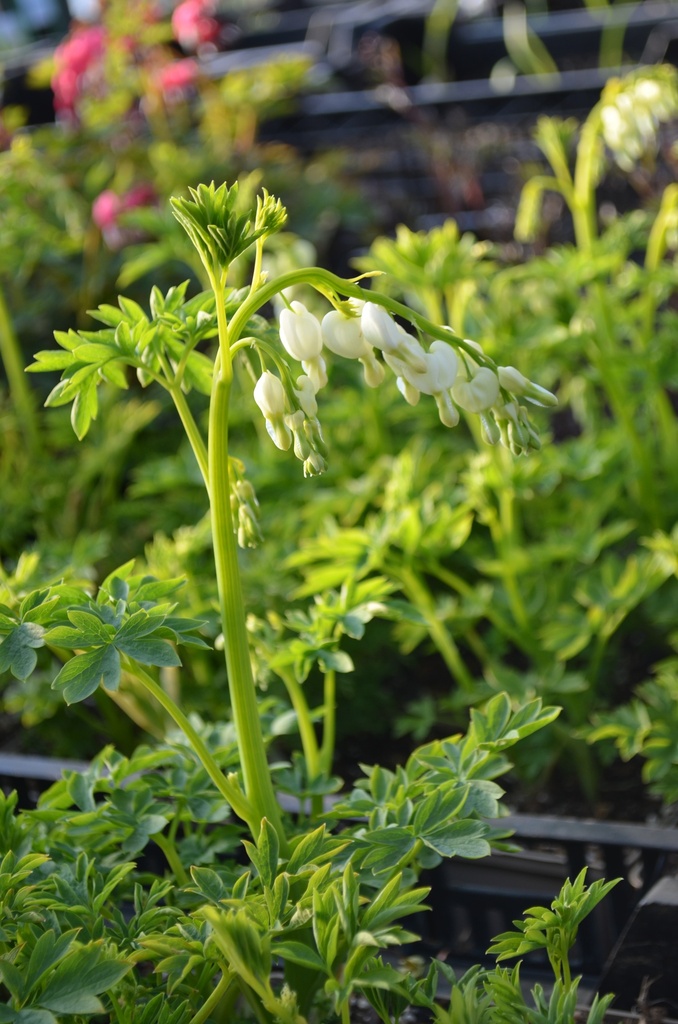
172, 857
309, 741
228, 789
192, 431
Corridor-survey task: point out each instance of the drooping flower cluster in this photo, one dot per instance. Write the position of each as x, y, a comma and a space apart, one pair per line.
632, 110
457, 379
292, 416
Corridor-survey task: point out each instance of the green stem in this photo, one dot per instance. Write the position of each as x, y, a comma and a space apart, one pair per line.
455, 582
508, 543
192, 431
585, 228
214, 999
20, 392
330, 285
254, 765
309, 741
329, 722
421, 598
172, 858
228, 789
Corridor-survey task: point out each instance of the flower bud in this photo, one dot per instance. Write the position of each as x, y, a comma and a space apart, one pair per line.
489, 429
305, 393
269, 394
513, 380
479, 392
314, 465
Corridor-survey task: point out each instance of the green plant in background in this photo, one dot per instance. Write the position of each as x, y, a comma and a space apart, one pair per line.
543, 575
321, 904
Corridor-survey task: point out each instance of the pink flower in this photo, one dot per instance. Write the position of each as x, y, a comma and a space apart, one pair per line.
175, 79
139, 195
73, 59
106, 209
193, 24
108, 206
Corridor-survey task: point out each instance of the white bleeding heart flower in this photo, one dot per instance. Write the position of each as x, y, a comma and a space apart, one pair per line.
301, 337
344, 336
381, 331
479, 392
300, 332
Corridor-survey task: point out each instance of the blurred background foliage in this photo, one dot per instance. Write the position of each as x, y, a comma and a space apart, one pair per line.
550, 576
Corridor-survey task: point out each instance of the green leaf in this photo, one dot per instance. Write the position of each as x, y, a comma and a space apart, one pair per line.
50, 360
17, 651
92, 629
299, 953
48, 950
460, 839
12, 978
79, 979
337, 661
85, 405
82, 675
209, 884
268, 848
149, 652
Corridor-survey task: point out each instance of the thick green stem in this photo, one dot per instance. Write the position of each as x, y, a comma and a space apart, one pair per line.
214, 999
228, 789
253, 761
19, 390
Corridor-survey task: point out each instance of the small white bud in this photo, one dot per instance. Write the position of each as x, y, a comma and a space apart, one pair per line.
269, 394
514, 381
305, 392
